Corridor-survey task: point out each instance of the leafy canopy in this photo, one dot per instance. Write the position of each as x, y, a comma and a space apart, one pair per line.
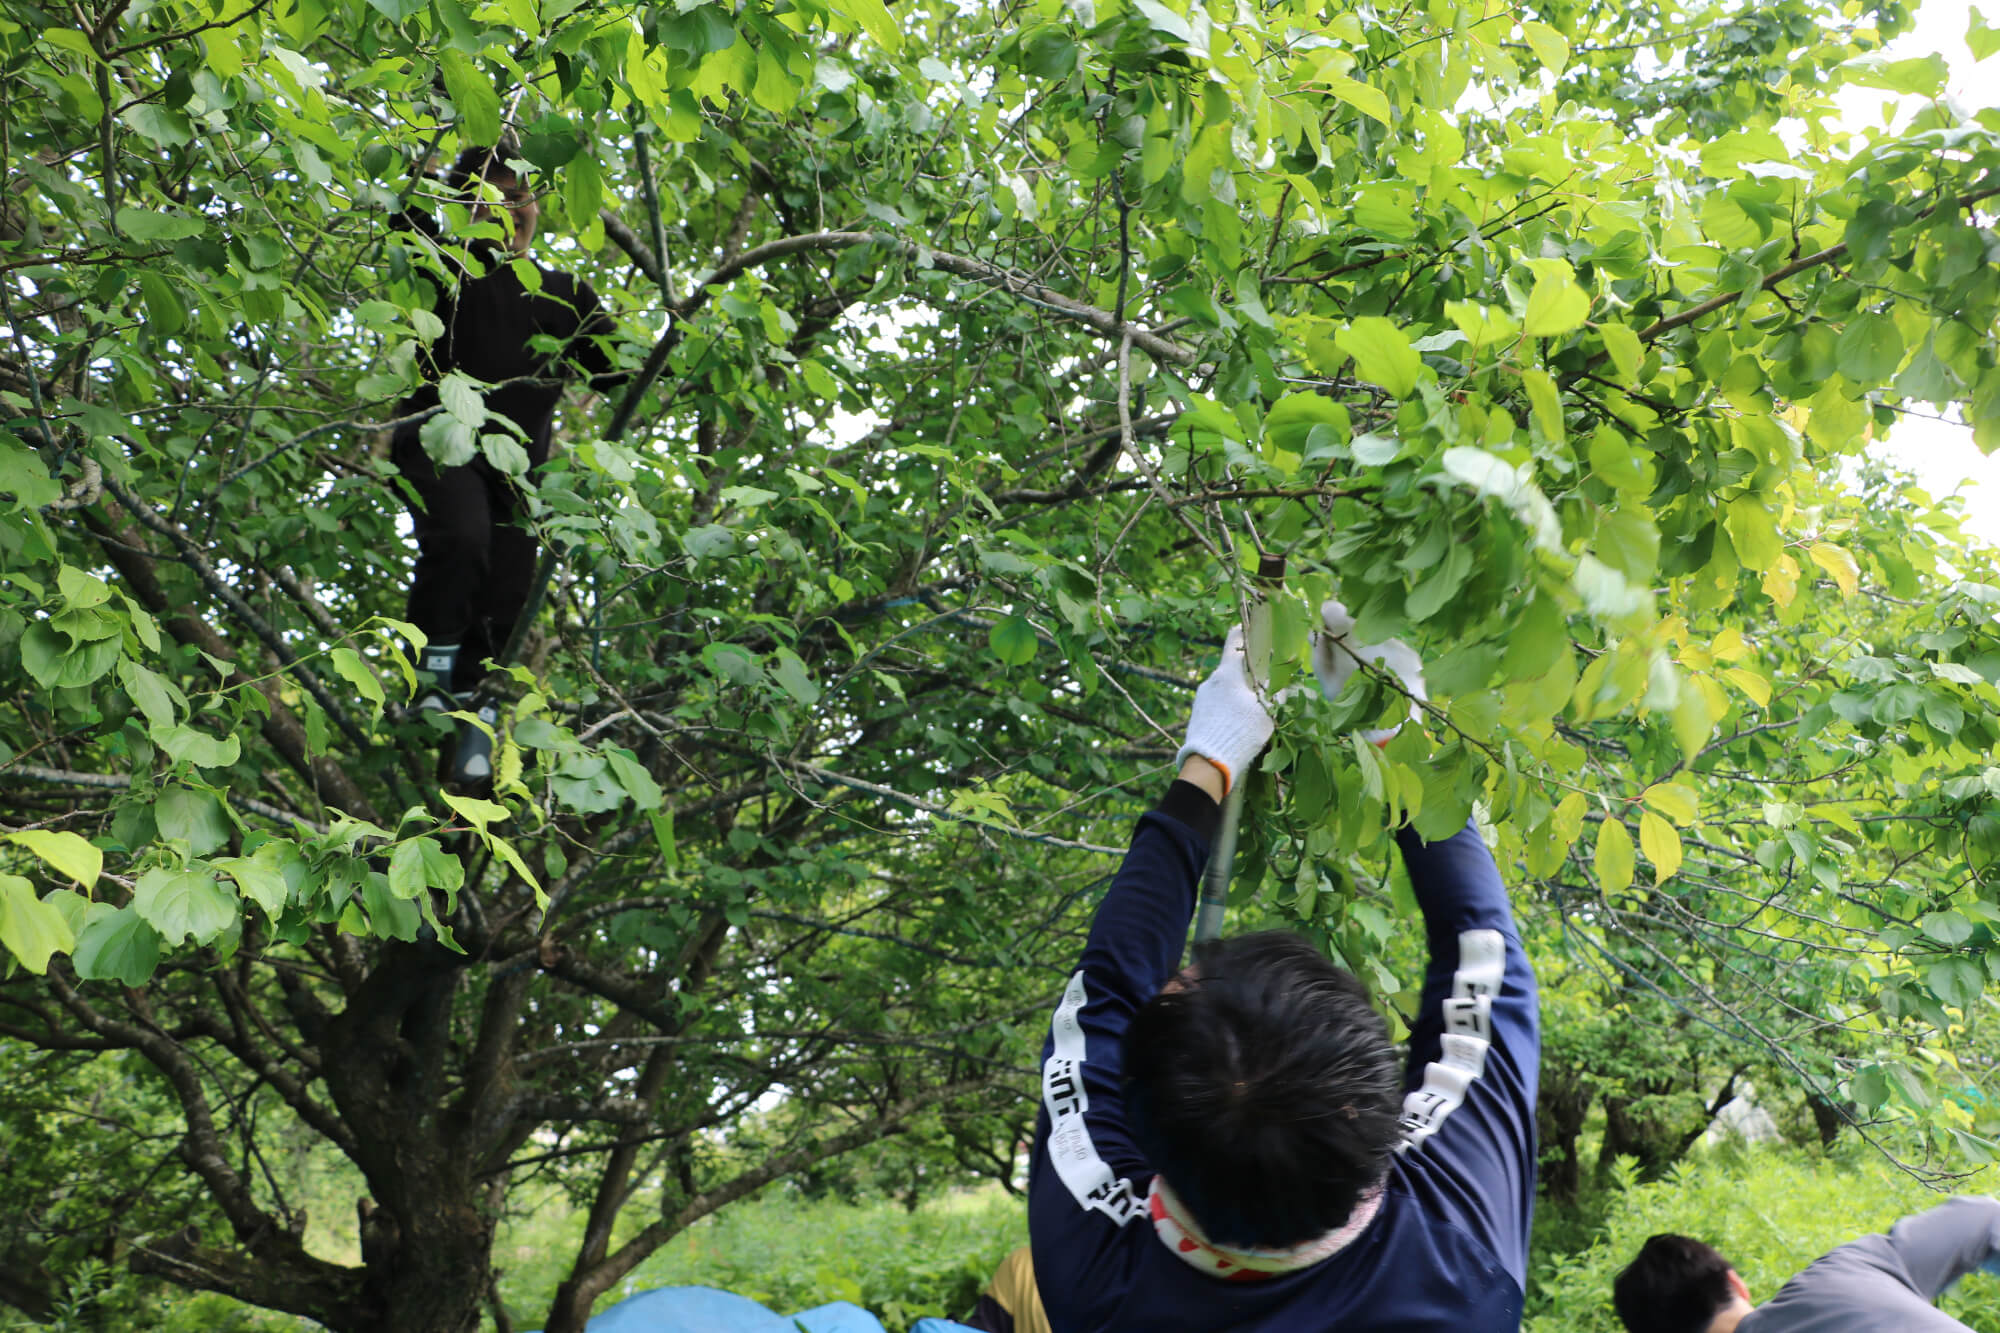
978, 351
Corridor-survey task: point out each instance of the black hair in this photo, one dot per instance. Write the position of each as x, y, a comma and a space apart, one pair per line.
480, 161
1266, 1090
1675, 1284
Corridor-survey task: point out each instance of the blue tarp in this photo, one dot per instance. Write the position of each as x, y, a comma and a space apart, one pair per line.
706, 1310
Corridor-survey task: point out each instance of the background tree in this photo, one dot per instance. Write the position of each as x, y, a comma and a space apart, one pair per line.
977, 352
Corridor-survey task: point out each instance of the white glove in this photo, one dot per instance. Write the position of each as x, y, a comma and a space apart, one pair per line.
1229, 724
1336, 657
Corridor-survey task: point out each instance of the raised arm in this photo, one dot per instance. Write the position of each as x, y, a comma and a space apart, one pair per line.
1941, 1246
1475, 1045
1081, 1184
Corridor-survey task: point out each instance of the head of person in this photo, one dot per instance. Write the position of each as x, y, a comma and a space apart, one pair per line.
1261, 1084
1676, 1284
480, 176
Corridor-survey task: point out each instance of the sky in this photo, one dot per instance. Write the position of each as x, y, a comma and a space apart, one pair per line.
1942, 453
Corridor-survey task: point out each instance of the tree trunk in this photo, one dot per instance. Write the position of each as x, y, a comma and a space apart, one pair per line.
1560, 1110
570, 1310
1827, 1118
427, 1232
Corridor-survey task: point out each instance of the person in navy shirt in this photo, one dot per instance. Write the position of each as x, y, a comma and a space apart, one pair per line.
1238, 1145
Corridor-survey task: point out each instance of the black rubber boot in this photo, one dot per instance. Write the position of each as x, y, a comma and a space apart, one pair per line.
435, 665
472, 758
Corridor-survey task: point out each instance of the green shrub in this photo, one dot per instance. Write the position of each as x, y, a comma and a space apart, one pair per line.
1771, 1212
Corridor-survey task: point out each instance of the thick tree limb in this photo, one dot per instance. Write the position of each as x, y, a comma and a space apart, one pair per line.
56, 777
1099, 321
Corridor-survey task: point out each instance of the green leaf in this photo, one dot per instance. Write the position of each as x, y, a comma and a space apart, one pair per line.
473, 93
1917, 76
356, 673
1013, 641
662, 821
505, 453
1556, 305
69, 854
791, 675
1905, 1081
1983, 39
24, 476
30, 928
143, 225
1870, 349
1163, 19
155, 697
81, 590
875, 21
195, 817
165, 315
1614, 860
1629, 543
1661, 844
463, 398
1368, 101
1545, 402
505, 851
184, 903
1550, 47
389, 917
186, 745
774, 90
1870, 1087
474, 811
1623, 345
1382, 354
44, 651
408, 869
1616, 460
699, 31
1676, 802
1958, 982
117, 946
1692, 722
583, 190
634, 778
1948, 928
165, 127
261, 877
1754, 533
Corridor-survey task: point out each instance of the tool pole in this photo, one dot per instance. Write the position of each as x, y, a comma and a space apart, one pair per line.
1222, 857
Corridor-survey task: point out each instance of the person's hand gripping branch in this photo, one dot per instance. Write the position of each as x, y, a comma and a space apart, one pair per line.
1230, 723
1336, 657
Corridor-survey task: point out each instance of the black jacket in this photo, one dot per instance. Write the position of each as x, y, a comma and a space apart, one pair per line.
522, 338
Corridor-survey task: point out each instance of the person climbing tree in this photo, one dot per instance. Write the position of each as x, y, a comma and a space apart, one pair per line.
522, 330
1234, 1145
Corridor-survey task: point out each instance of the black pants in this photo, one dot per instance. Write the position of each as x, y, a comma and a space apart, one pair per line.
475, 557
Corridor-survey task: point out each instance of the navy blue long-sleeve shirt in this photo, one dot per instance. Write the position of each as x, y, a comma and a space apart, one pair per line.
1448, 1248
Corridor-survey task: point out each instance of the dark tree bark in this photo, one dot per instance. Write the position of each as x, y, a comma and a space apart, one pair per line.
1561, 1107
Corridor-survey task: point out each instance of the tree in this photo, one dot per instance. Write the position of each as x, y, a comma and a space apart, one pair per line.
976, 353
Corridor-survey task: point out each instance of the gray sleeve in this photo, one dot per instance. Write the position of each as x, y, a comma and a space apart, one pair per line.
1943, 1245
